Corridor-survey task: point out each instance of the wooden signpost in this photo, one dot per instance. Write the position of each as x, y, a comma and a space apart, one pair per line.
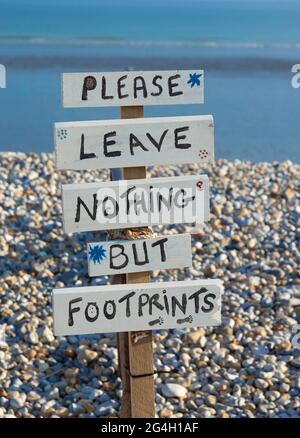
136, 348
130, 305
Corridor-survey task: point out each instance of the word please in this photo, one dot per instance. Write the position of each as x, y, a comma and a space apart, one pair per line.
132, 88
135, 85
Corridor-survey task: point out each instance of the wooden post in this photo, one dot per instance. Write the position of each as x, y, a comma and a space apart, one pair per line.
79, 90
135, 348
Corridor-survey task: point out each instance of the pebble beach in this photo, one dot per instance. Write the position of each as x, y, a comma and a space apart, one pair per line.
247, 367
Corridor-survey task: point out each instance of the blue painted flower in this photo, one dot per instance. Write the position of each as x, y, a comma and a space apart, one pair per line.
194, 79
97, 253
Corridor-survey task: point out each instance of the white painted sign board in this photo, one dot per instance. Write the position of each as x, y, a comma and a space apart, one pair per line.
132, 88
135, 203
124, 256
132, 307
134, 142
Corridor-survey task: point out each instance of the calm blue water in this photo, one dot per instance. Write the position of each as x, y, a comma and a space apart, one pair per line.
246, 47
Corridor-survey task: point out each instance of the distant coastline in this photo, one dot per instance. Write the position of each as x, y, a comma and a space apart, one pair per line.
247, 61
140, 42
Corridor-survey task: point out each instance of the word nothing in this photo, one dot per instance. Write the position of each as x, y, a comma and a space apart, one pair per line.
95, 206
134, 201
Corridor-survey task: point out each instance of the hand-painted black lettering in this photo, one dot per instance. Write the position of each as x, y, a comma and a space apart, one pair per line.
109, 309
91, 312
107, 143
120, 86
161, 244
142, 87
80, 202
141, 202
178, 137
155, 83
195, 297
127, 299
115, 256
126, 196
143, 301
167, 201
137, 261
184, 199
151, 200
73, 310
210, 304
135, 142
181, 305
166, 302
103, 90
89, 84
154, 301
107, 211
158, 144
172, 84
83, 154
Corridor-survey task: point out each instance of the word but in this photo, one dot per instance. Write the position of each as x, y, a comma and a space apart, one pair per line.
118, 258
122, 256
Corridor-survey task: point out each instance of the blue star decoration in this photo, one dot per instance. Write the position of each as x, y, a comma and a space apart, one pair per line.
97, 253
194, 79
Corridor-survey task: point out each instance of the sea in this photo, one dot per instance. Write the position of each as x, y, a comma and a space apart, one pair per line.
247, 49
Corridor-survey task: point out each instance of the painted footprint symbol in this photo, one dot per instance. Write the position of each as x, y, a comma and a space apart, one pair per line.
188, 319
158, 321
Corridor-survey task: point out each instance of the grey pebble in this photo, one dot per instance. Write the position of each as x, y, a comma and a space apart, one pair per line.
247, 367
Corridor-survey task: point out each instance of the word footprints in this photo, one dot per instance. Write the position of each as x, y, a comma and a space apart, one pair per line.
100, 309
